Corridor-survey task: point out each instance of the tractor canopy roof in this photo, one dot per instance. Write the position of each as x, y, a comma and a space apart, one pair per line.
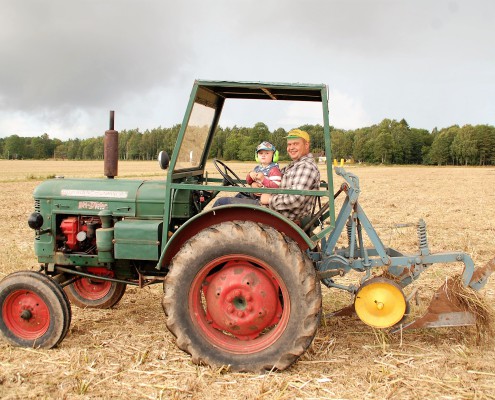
265, 90
205, 106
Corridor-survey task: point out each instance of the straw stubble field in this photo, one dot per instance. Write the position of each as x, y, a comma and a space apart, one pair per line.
127, 352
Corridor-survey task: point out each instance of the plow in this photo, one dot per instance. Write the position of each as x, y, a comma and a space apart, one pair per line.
241, 283
379, 300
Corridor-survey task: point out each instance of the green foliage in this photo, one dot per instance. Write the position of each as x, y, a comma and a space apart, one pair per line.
342, 144
389, 142
486, 144
440, 152
362, 147
15, 147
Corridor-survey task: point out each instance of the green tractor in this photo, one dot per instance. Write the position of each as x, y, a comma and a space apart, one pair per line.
241, 282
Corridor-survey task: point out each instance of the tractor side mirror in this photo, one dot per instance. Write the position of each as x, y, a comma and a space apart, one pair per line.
163, 159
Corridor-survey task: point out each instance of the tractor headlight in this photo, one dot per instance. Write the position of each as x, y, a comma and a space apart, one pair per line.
35, 221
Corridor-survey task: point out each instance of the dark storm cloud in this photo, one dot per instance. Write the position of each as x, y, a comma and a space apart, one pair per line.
81, 53
65, 63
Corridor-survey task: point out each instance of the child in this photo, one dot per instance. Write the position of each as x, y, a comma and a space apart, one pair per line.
267, 174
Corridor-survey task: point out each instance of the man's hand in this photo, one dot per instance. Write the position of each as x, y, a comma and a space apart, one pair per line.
265, 198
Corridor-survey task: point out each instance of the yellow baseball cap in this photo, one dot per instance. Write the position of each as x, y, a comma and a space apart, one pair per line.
298, 134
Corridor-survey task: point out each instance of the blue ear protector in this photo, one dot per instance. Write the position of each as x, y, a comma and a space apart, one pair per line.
275, 156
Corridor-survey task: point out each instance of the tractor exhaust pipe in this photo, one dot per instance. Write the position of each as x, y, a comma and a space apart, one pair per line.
111, 150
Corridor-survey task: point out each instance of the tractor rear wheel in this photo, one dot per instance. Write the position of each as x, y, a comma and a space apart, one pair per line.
243, 295
95, 293
35, 310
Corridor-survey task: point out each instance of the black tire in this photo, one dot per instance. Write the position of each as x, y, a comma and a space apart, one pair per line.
35, 310
95, 293
243, 295
59, 291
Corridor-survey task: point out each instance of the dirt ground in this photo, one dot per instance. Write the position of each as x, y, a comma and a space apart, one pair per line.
127, 352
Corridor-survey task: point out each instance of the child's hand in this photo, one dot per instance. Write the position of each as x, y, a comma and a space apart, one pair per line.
252, 175
256, 185
259, 177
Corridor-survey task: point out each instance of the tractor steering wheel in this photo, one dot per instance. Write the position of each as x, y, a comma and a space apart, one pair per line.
228, 176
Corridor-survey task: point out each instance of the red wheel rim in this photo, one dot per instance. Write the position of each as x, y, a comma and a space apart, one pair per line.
91, 288
26, 315
239, 303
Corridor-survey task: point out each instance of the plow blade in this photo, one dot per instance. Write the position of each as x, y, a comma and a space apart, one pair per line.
455, 305
446, 309
445, 319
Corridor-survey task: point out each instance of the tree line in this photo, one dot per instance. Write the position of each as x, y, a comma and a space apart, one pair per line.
389, 142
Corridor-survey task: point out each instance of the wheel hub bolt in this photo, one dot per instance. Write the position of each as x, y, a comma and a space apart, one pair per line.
26, 315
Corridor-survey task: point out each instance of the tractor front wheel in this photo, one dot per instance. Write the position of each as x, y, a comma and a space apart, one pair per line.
94, 292
35, 310
242, 295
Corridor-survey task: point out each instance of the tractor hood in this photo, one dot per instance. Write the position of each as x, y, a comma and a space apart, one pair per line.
126, 198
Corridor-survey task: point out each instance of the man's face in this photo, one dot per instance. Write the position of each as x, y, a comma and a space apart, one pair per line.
296, 148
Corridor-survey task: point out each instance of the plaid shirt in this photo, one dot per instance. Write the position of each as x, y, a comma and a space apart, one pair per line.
302, 174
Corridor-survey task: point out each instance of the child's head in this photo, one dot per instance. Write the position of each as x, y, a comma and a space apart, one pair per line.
265, 152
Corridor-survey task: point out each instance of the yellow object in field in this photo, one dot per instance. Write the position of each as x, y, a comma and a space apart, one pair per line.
341, 162
380, 303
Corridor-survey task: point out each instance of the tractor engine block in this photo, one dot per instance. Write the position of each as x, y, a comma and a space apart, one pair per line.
78, 234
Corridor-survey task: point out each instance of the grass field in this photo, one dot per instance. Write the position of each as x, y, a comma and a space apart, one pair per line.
127, 352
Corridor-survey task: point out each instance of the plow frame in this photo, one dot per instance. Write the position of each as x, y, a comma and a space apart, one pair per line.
445, 309
402, 268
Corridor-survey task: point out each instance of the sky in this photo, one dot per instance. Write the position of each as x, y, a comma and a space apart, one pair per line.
64, 64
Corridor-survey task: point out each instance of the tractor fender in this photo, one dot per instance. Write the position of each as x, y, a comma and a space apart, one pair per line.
245, 212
